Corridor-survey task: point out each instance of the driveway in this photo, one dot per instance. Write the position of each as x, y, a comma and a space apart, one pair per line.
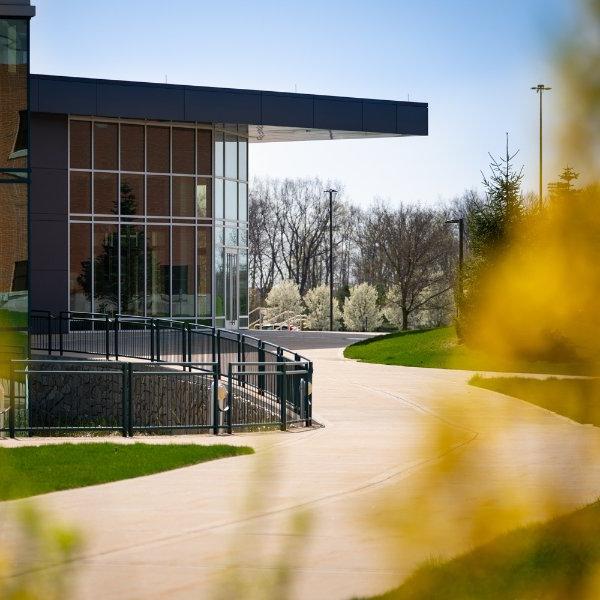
412, 463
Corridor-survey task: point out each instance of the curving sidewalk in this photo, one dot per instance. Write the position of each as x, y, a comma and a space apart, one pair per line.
409, 459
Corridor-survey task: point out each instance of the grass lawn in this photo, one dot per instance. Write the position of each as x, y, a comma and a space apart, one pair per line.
578, 399
440, 348
553, 561
32, 470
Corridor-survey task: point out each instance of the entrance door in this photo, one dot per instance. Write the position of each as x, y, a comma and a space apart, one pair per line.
232, 278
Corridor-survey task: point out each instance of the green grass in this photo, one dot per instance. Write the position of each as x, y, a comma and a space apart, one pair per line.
32, 470
553, 561
577, 399
440, 348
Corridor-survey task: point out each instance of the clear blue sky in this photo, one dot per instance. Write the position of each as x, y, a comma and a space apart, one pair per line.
472, 60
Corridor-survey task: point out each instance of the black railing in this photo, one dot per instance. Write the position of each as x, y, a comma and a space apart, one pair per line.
254, 384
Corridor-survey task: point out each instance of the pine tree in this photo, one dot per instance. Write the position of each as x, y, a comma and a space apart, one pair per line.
490, 222
563, 188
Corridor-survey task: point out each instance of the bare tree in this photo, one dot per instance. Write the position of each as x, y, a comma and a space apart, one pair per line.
414, 249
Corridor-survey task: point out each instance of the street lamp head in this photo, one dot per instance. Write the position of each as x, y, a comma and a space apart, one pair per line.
330, 191
540, 87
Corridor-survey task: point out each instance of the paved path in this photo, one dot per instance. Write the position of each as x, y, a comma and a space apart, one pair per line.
408, 461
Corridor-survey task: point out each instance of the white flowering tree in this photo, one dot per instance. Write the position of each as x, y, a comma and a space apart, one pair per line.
392, 309
283, 302
361, 312
317, 307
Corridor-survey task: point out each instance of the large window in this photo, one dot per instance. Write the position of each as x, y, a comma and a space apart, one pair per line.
14, 171
231, 219
141, 213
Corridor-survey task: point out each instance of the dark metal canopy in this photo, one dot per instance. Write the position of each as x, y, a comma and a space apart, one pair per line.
270, 116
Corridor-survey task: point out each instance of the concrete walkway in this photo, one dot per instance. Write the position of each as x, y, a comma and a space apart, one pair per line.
412, 463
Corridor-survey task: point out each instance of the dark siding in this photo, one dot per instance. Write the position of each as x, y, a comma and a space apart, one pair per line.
103, 98
49, 212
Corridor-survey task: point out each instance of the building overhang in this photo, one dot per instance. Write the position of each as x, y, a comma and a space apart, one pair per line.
270, 116
16, 8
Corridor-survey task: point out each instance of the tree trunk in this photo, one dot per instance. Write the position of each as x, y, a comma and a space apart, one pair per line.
404, 319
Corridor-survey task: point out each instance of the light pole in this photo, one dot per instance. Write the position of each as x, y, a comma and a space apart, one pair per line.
461, 252
331, 192
540, 88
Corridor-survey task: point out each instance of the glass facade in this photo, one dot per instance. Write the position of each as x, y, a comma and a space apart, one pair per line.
14, 171
149, 206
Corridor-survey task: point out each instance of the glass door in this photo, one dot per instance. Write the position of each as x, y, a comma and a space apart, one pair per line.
231, 289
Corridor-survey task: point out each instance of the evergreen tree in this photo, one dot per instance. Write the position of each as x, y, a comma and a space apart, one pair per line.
563, 188
490, 221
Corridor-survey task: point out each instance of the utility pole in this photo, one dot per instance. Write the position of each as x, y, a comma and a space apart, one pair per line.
331, 192
461, 253
540, 88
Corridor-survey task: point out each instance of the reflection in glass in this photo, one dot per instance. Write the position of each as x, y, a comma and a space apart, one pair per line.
231, 238
158, 148
204, 156
203, 263
106, 269
219, 154
132, 269
79, 277
231, 156
243, 159
182, 272
157, 276
218, 198
132, 148
243, 257
157, 190
243, 234
183, 196
81, 144
106, 143
219, 283
203, 197
13, 253
105, 193
231, 200
81, 192
243, 202
184, 160
132, 194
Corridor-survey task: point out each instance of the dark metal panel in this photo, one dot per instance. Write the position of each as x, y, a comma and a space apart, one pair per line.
49, 290
379, 116
226, 106
412, 119
287, 110
49, 141
49, 192
333, 113
67, 96
140, 101
33, 94
49, 244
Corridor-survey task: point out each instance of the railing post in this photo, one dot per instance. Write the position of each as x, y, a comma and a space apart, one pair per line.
49, 334
218, 341
283, 397
107, 336
261, 368
308, 400
189, 343
215, 400
130, 399
241, 356
116, 337
230, 399
213, 344
152, 340
157, 331
124, 399
11, 405
60, 334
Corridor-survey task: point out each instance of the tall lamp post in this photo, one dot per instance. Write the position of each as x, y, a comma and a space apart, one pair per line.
540, 88
331, 192
461, 252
